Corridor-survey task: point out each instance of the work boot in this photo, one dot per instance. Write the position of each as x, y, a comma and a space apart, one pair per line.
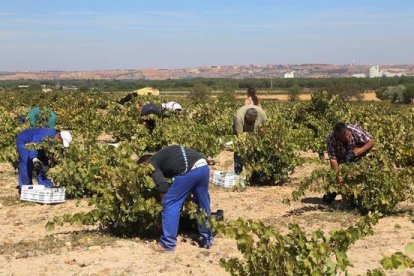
157, 247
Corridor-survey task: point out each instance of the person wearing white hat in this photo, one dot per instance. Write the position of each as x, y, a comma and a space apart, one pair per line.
172, 106
36, 160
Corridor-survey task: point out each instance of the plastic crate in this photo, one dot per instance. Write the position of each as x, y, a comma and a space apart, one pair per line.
41, 194
227, 179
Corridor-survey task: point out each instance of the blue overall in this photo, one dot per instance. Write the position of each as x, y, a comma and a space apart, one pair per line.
196, 182
31, 135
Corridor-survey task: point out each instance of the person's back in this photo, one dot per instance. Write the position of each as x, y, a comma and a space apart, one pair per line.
240, 124
35, 114
151, 108
33, 135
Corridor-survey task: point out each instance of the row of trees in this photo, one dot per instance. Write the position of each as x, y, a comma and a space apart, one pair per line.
345, 84
397, 94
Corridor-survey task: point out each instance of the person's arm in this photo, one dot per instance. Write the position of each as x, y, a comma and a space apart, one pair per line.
334, 164
335, 167
366, 147
52, 120
238, 126
160, 181
362, 137
332, 158
263, 115
247, 101
33, 116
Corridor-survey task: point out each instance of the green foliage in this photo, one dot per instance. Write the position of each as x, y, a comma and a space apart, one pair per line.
124, 195
228, 94
317, 118
294, 92
372, 183
392, 93
271, 152
408, 94
199, 92
268, 252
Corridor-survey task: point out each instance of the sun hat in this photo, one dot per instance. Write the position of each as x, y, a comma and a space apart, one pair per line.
66, 138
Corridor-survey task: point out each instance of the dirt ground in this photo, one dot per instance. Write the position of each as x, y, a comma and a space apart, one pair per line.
26, 248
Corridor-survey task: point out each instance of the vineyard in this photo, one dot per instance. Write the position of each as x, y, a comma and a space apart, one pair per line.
275, 226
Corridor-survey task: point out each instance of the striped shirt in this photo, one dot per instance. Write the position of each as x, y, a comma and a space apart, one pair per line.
339, 151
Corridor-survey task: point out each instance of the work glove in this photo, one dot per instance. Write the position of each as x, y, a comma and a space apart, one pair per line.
37, 164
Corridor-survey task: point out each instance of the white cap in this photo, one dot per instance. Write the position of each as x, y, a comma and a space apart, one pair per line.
66, 138
172, 106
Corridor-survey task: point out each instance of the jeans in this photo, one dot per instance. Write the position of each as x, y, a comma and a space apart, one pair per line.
26, 171
195, 181
238, 165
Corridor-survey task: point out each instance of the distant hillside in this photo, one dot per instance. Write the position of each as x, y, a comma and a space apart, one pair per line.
249, 71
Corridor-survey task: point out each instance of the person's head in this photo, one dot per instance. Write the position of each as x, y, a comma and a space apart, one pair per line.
251, 93
342, 133
64, 137
144, 159
149, 123
250, 116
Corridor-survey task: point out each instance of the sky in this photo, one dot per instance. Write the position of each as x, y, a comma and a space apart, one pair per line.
40, 35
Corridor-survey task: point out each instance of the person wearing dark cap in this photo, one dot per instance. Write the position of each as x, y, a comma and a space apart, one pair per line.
147, 110
190, 173
346, 143
248, 119
128, 98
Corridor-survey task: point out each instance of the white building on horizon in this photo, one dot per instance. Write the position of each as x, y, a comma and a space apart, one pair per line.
375, 72
360, 76
289, 75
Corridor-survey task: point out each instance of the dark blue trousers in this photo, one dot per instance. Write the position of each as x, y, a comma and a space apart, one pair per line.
26, 170
195, 181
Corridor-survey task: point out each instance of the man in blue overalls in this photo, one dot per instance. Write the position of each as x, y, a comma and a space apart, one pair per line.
190, 173
33, 159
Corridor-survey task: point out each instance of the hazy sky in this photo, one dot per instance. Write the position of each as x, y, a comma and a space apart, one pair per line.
107, 34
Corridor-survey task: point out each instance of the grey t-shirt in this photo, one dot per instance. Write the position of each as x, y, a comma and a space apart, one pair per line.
239, 125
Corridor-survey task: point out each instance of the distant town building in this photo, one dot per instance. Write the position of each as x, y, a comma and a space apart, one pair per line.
360, 76
69, 88
289, 75
47, 88
148, 91
392, 74
374, 72
23, 86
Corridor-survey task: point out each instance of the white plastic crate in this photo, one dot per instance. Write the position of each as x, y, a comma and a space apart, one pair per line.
227, 179
41, 194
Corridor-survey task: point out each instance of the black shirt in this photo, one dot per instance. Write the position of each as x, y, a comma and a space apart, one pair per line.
151, 109
169, 162
127, 98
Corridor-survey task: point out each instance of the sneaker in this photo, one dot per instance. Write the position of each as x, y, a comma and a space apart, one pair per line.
157, 247
203, 244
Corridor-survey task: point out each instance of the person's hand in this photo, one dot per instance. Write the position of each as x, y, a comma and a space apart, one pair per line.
357, 151
161, 196
37, 164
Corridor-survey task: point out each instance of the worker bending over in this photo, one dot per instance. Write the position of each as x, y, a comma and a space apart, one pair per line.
248, 119
190, 173
30, 160
346, 143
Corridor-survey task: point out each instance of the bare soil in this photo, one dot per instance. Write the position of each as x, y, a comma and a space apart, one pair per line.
27, 248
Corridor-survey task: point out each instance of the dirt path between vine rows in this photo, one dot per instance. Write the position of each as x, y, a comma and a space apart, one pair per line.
26, 248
